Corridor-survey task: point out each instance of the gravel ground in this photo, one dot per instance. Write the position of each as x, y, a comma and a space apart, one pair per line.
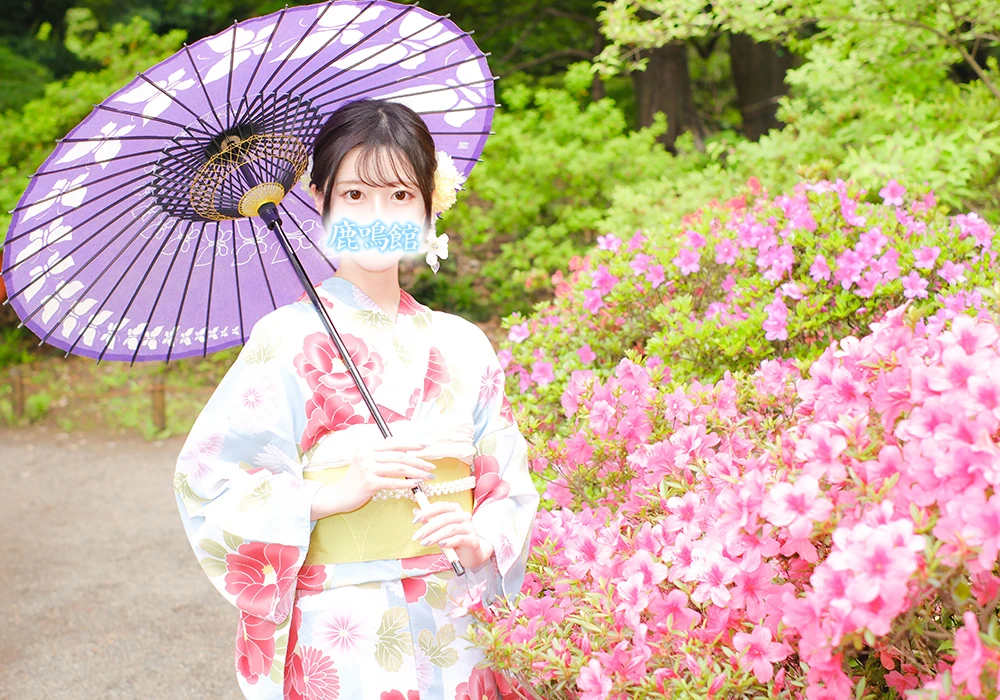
102, 596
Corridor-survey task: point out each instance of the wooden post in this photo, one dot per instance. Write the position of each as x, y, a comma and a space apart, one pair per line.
17, 379
159, 402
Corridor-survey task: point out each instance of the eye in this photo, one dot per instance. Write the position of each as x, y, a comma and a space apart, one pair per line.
348, 195
406, 195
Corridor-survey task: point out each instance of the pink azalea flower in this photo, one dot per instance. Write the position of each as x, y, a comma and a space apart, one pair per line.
641, 263
637, 240
914, 286
518, 332
892, 194
592, 682
969, 655
592, 300
602, 280
952, 273
775, 326
609, 242
541, 372
726, 252
505, 356
586, 355
655, 275
759, 653
797, 506
688, 261
973, 225
819, 270
695, 239
633, 597
926, 257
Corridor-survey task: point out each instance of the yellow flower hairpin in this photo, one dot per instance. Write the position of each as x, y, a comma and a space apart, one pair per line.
447, 182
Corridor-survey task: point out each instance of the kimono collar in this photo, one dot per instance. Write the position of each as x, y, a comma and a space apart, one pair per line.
353, 296
403, 347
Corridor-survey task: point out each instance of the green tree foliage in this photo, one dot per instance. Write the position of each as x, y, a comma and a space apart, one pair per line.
27, 137
546, 180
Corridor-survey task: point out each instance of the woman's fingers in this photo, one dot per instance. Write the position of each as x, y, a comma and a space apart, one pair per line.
445, 531
395, 484
450, 517
403, 458
436, 508
400, 443
402, 471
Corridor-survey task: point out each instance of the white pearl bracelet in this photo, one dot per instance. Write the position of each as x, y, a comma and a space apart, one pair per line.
456, 486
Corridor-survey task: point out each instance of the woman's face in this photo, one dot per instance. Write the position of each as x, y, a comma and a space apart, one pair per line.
374, 226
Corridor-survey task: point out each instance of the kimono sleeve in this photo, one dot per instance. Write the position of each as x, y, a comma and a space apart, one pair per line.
238, 481
506, 500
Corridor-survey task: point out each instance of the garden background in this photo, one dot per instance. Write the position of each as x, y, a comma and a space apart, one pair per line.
684, 238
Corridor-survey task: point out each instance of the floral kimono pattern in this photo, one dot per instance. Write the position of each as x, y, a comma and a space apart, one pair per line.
378, 630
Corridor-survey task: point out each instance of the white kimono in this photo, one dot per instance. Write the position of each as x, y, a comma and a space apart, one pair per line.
389, 629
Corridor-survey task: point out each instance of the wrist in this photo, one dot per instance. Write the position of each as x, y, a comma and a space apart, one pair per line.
325, 503
478, 554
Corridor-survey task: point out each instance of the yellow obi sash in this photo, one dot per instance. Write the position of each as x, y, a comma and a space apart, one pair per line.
383, 528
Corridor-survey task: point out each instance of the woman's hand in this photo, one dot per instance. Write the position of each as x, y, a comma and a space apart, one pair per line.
447, 524
387, 465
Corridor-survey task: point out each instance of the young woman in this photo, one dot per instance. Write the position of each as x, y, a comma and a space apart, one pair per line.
297, 508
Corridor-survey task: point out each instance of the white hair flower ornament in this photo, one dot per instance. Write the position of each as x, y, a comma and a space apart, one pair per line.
447, 182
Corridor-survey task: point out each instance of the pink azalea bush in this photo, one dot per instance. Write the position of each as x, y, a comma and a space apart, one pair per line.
755, 278
770, 451
833, 534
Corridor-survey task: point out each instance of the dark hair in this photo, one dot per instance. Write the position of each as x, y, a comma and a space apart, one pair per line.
375, 124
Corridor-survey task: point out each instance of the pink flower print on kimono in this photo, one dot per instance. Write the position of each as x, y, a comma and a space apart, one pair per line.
334, 403
437, 375
310, 674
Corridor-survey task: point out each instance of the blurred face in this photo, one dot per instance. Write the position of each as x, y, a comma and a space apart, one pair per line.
373, 226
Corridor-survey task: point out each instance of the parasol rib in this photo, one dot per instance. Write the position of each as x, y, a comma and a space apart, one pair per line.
83, 267
187, 286
116, 284
260, 60
159, 293
385, 48
121, 279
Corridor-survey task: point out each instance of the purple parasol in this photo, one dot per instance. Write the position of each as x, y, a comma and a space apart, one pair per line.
170, 220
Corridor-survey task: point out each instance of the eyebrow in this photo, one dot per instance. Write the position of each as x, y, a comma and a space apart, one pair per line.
358, 182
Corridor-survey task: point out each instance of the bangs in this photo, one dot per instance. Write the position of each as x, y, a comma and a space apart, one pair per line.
385, 166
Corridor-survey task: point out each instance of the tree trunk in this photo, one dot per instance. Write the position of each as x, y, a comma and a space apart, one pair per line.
597, 91
665, 86
759, 74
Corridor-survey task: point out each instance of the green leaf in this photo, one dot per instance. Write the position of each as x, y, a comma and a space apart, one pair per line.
213, 548
257, 497
436, 596
488, 444
422, 319
232, 541
393, 640
436, 646
373, 319
277, 674
192, 501
213, 567
446, 400
260, 352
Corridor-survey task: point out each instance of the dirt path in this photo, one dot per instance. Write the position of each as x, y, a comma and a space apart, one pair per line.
102, 596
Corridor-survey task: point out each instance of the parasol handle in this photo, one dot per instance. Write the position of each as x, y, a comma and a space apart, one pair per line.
269, 213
